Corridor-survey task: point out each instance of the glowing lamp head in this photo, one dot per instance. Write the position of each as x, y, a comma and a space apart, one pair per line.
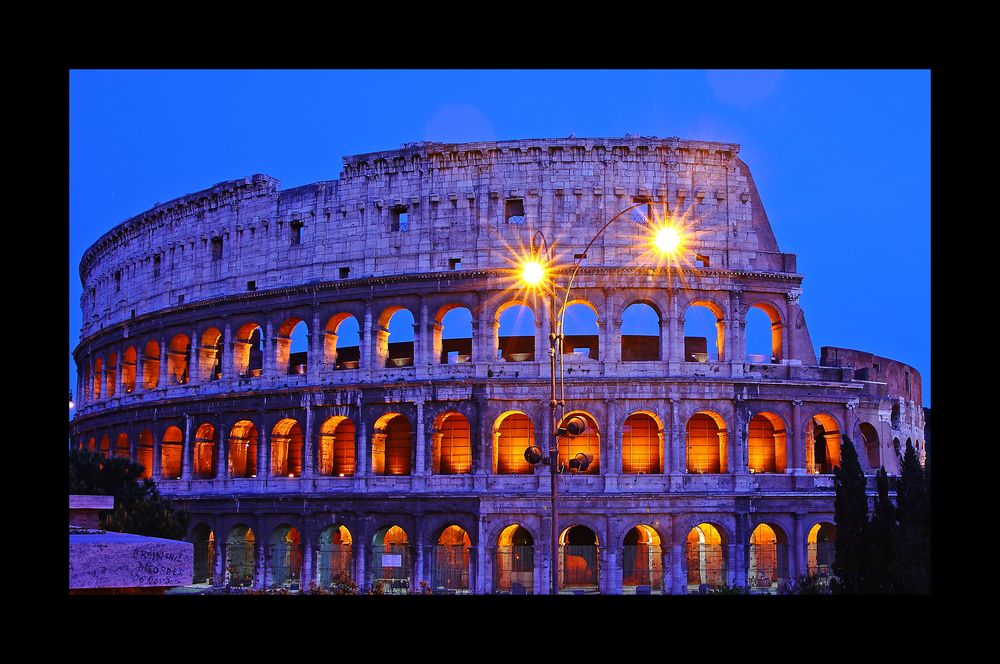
532, 272
667, 240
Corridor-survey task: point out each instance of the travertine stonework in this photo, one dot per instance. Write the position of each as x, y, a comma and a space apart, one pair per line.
426, 228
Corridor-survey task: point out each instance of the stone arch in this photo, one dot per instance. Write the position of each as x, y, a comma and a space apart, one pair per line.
707, 443
151, 365
641, 332
579, 563
400, 352
449, 564
203, 539
248, 350
720, 332
336, 354
776, 352
451, 445
767, 443
121, 450
242, 452
128, 369
511, 347
337, 445
144, 453
211, 354
642, 443
289, 332
588, 443
513, 433
171, 453
767, 561
179, 359
451, 345
204, 457
642, 560
284, 557
240, 559
334, 556
822, 436
392, 445
583, 319
820, 545
514, 561
869, 437
390, 564
286, 448
707, 556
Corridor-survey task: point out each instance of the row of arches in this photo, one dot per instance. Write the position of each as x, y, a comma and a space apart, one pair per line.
279, 562
392, 446
202, 356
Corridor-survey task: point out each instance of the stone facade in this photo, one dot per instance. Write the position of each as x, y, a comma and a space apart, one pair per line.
185, 366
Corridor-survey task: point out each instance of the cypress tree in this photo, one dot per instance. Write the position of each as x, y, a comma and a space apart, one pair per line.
850, 507
911, 567
879, 538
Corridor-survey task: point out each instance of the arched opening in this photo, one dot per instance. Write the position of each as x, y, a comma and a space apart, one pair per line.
285, 558
248, 351
96, 378
870, 438
642, 562
820, 548
515, 333
205, 459
642, 443
240, 565
342, 342
92, 444
704, 333
640, 333
242, 457
394, 338
286, 449
588, 443
292, 347
706, 558
453, 335
450, 561
178, 359
768, 560
513, 433
204, 553
822, 444
210, 362
151, 365
898, 453
579, 570
762, 331
390, 564
121, 450
128, 370
171, 453
451, 448
581, 334
336, 447
392, 448
707, 444
109, 374
766, 444
105, 446
144, 452
334, 559
894, 415
514, 562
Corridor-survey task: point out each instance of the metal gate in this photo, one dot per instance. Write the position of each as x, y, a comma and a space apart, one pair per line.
450, 568
821, 556
285, 565
390, 568
334, 560
239, 565
578, 567
514, 570
706, 565
767, 565
204, 562
642, 569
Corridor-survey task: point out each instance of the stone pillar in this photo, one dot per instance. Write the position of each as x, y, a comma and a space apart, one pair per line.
678, 555
482, 344
307, 559
228, 351
543, 559
474, 567
315, 362
221, 465
308, 443
851, 422
263, 441
362, 467
737, 327
418, 571
737, 572
675, 324
420, 442
188, 450
739, 462
194, 359
367, 346
164, 356
423, 341
119, 387
678, 452
613, 446
270, 363
796, 442
666, 584
219, 573
606, 572
791, 318
262, 571
157, 452
798, 563
542, 343
611, 326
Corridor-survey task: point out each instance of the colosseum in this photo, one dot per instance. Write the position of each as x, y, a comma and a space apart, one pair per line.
390, 446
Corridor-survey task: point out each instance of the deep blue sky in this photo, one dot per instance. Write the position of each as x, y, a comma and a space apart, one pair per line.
841, 158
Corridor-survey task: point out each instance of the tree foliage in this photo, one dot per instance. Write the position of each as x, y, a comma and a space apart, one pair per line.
139, 509
850, 510
912, 565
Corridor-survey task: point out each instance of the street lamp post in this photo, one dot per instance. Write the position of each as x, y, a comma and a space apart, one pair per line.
666, 241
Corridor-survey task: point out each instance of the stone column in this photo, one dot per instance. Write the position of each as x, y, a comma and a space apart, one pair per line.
791, 318
420, 442
221, 466
157, 451
677, 554
798, 563
220, 560
367, 345
675, 323
262, 573
362, 467
474, 566
423, 342
263, 440
308, 444
738, 454
543, 560
194, 359
666, 560
119, 387
607, 572
542, 343
188, 450
678, 452
851, 422
228, 351
612, 448
315, 362
610, 329
164, 356
796, 442
417, 570
307, 559
270, 363
737, 572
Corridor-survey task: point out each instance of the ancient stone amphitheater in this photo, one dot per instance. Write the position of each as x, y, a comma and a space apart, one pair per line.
397, 461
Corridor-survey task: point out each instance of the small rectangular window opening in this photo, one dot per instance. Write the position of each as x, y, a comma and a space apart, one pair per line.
251, 285
156, 267
577, 257
180, 299
216, 248
454, 263
642, 214
133, 314
344, 271
702, 259
296, 227
400, 219
118, 281
514, 211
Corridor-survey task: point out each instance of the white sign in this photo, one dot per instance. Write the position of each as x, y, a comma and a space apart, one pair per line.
392, 560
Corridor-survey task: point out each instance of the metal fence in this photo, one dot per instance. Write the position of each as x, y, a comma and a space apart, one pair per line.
578, 567
285, 561
706, 565
820, 561
642, 569
239, 565
204, 562
767, 566
450, 568
390, 567
514, 570
334, 560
